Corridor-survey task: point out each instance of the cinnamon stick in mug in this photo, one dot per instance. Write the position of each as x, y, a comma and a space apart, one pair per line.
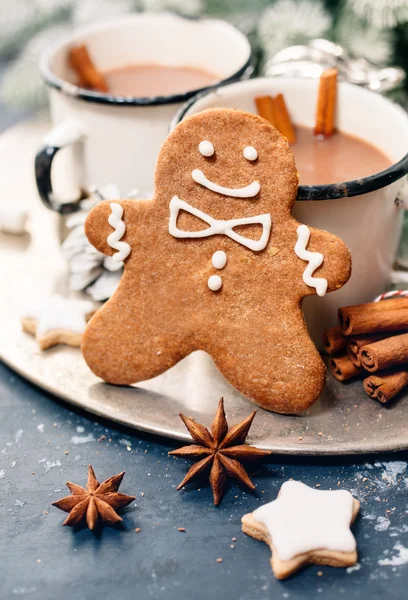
274, 110
265, 108
282, 119
343, 369
384, 354
385, 386
388, 315
326, 103
89, 77
333, 340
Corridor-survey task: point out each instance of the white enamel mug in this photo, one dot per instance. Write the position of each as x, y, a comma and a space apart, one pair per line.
366, 214
117, 139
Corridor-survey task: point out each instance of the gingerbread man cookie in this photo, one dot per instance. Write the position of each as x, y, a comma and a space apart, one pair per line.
216, 262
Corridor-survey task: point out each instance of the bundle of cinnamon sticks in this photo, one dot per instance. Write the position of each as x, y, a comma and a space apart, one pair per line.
274, 109
371, 341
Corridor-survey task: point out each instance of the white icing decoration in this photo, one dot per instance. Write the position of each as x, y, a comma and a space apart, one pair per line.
315, 259
59, 313
215, 283
206, 148
250, 153
248, 191
219, 227
219, 259
302, 519
115, 221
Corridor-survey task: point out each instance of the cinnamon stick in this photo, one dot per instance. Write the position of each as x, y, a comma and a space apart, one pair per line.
88, 75
343, 369
274, 110
385, 386
265, 108
333, 340
355, 343
282, 119
385, 353
388, 315
326, 103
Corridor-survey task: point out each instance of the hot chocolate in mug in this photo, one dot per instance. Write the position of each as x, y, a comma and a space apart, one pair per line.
109, 138
365, 213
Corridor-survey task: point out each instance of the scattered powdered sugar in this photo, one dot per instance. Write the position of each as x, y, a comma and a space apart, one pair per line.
22, 591
13, 464
18, 503
398, 559
392, 470
40, 427
124, 442
2, 474
51, 464
18, 435
382, 524
80, 429
355, 567
82, 439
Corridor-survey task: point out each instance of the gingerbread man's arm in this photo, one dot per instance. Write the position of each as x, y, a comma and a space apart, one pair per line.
336, 266
98, 229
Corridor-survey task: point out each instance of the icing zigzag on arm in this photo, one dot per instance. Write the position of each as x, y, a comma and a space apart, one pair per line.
115, 221
315, 259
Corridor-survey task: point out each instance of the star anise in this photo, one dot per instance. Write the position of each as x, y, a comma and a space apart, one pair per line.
221, 450
96, 504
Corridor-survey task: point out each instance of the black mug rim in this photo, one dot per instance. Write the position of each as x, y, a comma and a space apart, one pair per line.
70, 89
329, 191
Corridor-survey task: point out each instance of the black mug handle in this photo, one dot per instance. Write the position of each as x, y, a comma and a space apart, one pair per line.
65, 134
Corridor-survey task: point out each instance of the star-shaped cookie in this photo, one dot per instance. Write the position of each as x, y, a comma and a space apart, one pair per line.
58, 321
304, 526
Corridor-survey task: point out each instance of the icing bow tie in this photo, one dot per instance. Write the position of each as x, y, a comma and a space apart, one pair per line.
219, 227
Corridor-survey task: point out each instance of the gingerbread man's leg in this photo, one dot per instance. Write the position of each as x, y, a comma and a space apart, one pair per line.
122, 351
276, 364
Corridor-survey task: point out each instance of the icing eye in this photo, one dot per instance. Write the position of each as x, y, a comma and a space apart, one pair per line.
206, 148
250, 153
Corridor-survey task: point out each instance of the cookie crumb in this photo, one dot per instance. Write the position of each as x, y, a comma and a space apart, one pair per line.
319, 573
182, 529
232, 546
45, 512
300, 438
142, 494
234, 539
66, 452
138, 530
318, 484
320, 433
219, 560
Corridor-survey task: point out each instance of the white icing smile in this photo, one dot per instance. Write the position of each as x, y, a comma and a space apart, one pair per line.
248, 191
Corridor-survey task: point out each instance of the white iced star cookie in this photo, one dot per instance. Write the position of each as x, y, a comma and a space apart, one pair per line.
58, 321
304, 526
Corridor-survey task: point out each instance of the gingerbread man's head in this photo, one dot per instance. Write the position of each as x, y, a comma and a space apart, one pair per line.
228, 164
216, 262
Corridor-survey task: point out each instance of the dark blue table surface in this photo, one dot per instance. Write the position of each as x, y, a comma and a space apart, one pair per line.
43, 443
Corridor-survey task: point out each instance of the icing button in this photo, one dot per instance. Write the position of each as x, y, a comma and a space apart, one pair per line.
219, 259
215, 283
